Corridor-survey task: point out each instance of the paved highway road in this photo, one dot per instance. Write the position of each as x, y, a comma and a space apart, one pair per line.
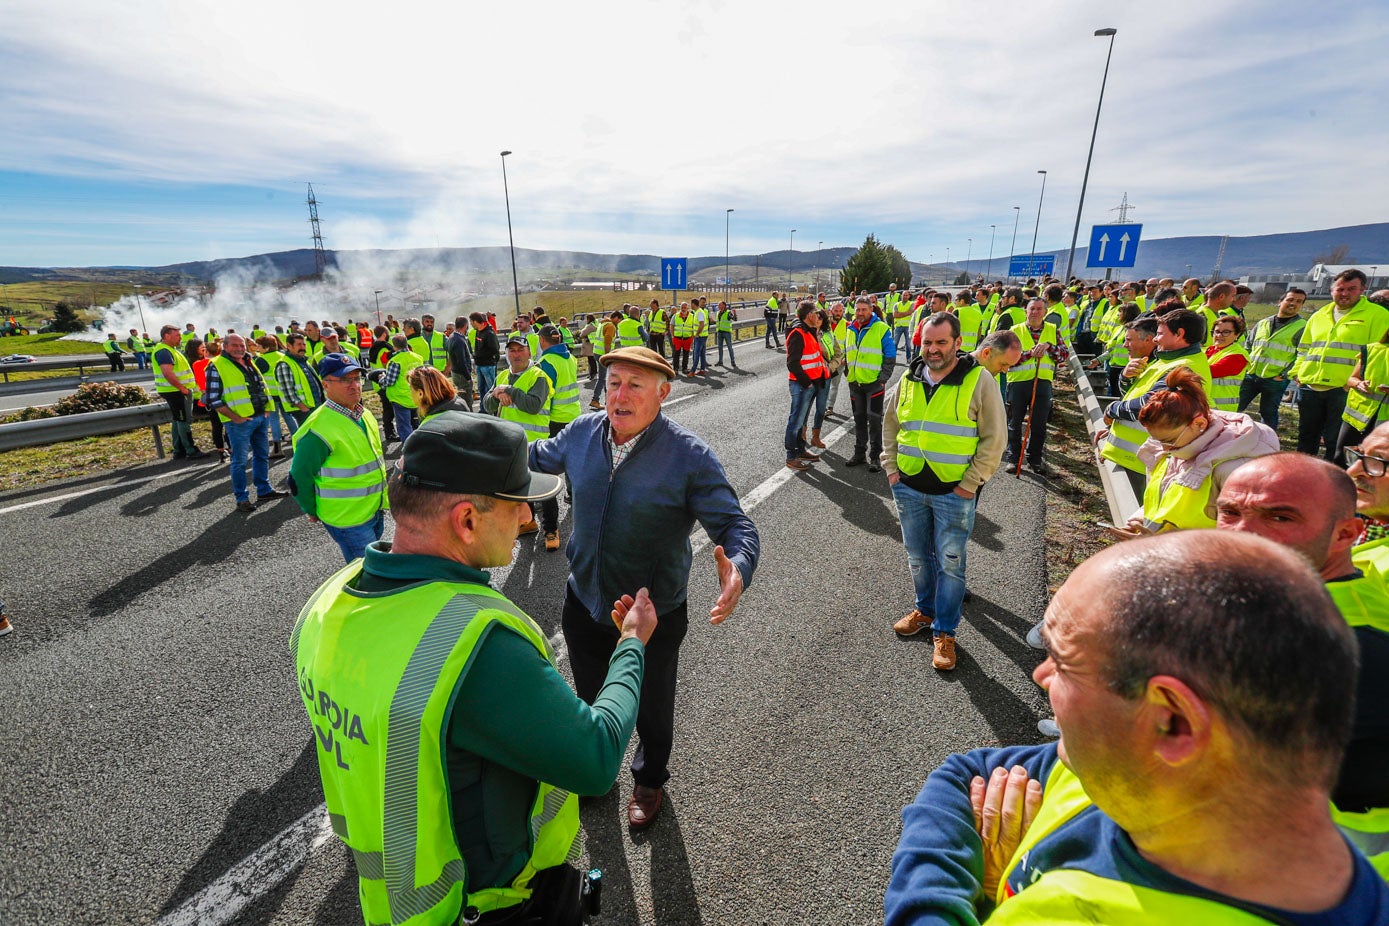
155, 743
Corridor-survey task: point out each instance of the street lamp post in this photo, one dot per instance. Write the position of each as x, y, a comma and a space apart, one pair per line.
144, 329
993, 229
515, 285
727, 282
818, 246
1032, 260
1012, 248
378, 306
1075, 232
969, 252
790, 252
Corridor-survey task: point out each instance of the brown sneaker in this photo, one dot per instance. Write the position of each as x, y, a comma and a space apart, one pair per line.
797, 465
530, 527
810, 457
943, 657
552, 540
912, 623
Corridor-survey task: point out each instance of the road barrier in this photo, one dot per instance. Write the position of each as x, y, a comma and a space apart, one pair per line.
1118, 490
88, 424
97, 361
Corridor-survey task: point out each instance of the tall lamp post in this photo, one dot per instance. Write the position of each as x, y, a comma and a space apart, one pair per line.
790, 252
1075, 232
818, 247
1012, 248
378, 306
969, 252
1032, 261
144, 329
727, 281
515, 286
993, 229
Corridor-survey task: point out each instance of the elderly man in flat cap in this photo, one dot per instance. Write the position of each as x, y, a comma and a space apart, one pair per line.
640, 483
450, 748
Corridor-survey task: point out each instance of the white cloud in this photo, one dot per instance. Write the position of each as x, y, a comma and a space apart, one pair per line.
635, 123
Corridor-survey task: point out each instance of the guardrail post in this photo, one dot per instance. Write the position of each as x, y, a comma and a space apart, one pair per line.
158, 442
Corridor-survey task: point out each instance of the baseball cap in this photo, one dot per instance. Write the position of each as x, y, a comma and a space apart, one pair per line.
518, 338
337, 365
550, 333
474, 454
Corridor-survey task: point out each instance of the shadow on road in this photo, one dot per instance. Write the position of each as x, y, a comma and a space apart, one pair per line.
255, 818
852, 490
1012, 720
212, 547
672, 890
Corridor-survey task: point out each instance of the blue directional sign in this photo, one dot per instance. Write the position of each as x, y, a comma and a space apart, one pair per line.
673, 274
1032, 265
1113, 245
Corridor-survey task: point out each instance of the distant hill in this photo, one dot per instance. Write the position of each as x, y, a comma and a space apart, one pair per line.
1292, 252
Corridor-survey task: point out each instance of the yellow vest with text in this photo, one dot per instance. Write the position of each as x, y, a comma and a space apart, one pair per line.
1330, 349
863, 352
379, 704
1225, 390
938, 433
538, 425
1125, 437
351, 485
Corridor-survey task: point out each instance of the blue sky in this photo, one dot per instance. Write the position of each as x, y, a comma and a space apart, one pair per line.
152, 134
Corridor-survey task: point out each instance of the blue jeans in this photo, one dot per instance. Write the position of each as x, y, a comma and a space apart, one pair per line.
935, 531
352, 541
822, 398
291, 423
404, 423
722, 338
701, 358
801, 399
1270, 393
250, 436
486, 379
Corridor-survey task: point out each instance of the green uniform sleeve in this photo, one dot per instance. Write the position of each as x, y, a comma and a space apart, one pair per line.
310, 453
515, 709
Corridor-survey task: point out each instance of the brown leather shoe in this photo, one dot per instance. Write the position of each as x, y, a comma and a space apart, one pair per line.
530, 527
943, 658
644, 806
810, 457
552, 540
797, 465
912, 623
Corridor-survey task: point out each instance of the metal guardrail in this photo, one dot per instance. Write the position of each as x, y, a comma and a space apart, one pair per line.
1118, 491
98, 361
88, 424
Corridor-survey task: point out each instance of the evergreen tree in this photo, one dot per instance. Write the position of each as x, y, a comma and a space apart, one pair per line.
869, 268
65, 319
901, 270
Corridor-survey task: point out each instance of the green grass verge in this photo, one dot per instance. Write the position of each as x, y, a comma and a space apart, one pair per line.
46, 345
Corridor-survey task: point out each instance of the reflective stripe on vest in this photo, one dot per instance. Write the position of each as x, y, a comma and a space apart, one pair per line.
938, 433
1271, 352
657, 322
1125, 437
1362, 409
683, 326
1225, 390
236, 391
1047, 364
812, 356
629, 332
564, 402
865, 360
273, 359
725, 322
351, 485
595, 337
537, 426
183, 372
1175, 506
1330, 349
399, 391
381, 743
971, 319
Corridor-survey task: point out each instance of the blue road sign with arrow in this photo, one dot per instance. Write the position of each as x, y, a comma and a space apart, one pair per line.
673, 272
1113, 245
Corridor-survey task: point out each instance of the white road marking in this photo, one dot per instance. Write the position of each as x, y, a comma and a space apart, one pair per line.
113, 485
263, 870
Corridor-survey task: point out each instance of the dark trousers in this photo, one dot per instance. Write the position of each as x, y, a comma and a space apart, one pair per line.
593, 367
591, 644
770, 339
658, 342
555, 901
117, 362
1351, 436
866, 400
387, 416
1019, 402
1270, 393
1319, 420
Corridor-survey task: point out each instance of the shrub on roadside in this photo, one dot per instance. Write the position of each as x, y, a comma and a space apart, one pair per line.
96, 397
29, 414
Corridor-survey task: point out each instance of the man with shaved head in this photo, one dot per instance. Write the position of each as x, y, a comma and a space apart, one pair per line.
1308, 504
1192, 779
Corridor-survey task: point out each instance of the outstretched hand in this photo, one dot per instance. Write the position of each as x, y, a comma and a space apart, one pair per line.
635, 617
730, 587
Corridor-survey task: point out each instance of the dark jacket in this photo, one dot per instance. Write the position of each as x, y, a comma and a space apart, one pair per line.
460, 354
486, 351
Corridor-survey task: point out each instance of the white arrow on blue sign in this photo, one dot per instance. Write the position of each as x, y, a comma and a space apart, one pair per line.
1113, 245
673, 272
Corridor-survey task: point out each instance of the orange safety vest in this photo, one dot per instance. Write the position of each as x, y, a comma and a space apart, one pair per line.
812, 357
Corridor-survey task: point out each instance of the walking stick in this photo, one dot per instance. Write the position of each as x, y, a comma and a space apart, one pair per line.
1031, 411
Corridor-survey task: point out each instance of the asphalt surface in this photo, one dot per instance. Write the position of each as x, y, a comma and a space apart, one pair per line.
154, 737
